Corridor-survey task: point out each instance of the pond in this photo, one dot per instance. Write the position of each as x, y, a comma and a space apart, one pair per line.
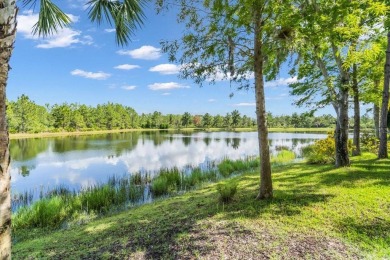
81, 161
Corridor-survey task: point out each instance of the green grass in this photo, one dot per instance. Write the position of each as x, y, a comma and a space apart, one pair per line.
284, 156
317, 211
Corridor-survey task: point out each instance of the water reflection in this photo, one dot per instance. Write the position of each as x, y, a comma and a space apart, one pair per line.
86, 160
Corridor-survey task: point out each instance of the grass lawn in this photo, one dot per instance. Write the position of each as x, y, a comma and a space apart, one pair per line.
318, 212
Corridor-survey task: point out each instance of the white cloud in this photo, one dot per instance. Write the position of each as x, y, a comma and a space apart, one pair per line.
129, 87
245, 104
281, 82
211, 100
144, 53
166, 86
166, 94
64, 37
127, 67
166, 69
90, 75
109, 30
87, 40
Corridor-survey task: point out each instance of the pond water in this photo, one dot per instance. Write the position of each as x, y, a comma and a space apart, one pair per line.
81, 161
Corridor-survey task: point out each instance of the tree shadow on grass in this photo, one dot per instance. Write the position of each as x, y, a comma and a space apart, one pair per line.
371, 171
369, 230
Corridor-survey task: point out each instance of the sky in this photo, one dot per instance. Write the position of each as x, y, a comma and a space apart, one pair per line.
82, 64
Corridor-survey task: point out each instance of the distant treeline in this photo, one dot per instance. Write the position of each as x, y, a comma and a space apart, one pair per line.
25, 116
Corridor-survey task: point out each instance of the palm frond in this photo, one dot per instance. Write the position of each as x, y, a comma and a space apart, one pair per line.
125, 15
51, 18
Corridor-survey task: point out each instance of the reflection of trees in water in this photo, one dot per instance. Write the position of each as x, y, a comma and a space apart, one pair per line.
24, 170
236, 143
119, 142
186, 140
207, 140
228, 141
157, 137
27, 149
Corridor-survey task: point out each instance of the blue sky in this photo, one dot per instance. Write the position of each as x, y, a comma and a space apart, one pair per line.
82, 64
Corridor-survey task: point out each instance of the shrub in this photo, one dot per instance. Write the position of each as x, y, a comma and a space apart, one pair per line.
227, 191
369, 142
321, 152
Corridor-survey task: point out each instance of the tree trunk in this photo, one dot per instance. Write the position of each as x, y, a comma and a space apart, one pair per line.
265, 191
341, 133
356, 116
8, 11
382, 153
376, 120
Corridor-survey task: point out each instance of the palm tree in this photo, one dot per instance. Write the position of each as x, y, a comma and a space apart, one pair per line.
125, 15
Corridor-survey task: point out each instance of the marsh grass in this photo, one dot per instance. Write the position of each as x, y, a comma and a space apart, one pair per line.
61, 204
44, 213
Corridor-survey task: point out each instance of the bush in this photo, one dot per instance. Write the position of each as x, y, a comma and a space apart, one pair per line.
321, 152
369, 142
227, 191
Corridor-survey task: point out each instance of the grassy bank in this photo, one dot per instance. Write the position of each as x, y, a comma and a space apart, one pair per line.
61, 134
318, 211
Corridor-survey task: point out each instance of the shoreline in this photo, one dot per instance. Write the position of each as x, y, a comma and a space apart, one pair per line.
97, 132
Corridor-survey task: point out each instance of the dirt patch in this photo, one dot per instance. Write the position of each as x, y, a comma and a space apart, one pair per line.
222, 240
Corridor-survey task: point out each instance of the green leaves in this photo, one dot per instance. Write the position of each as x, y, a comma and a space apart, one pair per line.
51, 18
126, 16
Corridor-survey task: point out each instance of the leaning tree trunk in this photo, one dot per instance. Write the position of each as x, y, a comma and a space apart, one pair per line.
8, 11
341, 133
265, 191
382, 153
356, 115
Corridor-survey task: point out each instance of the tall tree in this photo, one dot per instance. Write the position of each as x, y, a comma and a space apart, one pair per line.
206, 120
236, 117
328, 33
186, 119
382, 153
126, 15
235, 41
